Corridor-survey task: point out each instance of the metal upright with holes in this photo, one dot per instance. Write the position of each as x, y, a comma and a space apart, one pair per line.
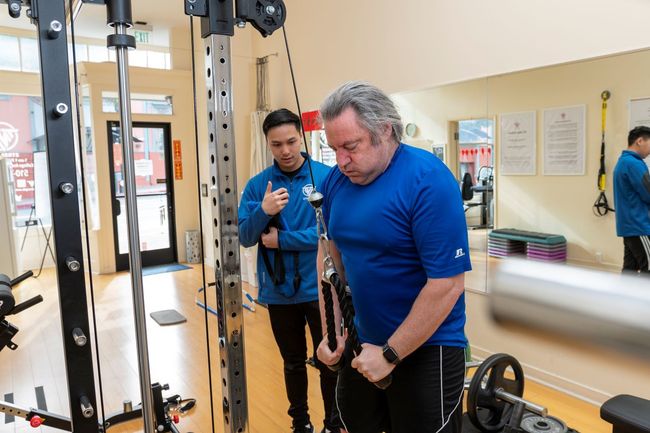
223, 193
50, 19
223, 196
217, 27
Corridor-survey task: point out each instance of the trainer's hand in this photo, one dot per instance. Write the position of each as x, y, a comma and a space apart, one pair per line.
274, 201
325, 355
371, 363
270, 239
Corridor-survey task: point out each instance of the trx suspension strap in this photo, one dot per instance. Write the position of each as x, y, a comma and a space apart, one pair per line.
330, 277
601, 206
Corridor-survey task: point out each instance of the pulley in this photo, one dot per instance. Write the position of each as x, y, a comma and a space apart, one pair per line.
265, 16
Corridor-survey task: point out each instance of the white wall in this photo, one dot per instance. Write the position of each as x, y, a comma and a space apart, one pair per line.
414, 44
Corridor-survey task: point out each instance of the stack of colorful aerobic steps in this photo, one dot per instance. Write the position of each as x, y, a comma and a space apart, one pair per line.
500, 247
537, 246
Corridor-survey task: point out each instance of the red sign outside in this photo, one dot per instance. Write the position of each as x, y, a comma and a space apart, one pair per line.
16, 145
311, 121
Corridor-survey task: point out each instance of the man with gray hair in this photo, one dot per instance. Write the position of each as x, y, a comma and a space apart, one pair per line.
399, 239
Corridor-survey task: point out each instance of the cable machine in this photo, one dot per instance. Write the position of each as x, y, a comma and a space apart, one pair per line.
218, 20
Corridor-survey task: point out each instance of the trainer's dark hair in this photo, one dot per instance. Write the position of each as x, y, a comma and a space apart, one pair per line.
636, 133
280, 117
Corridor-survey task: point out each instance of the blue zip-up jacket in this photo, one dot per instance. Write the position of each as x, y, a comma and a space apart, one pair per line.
297, 232
632, 195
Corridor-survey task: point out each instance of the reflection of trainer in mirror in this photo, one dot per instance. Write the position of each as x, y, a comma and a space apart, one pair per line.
632, 201
275, 214
396, 220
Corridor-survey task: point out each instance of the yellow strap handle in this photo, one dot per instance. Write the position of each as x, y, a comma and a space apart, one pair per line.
604, 96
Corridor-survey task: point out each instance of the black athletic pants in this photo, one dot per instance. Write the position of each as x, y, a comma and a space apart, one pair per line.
637, 254
425, 396
288, 324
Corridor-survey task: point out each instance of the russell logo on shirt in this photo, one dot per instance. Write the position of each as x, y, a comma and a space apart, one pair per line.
459, 253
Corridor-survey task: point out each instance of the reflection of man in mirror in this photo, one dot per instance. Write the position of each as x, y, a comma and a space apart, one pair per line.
399, 238
632, 201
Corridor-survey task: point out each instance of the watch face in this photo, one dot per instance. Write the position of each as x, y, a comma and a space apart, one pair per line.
390, 354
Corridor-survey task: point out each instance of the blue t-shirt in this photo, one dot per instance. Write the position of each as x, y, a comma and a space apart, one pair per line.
394, 233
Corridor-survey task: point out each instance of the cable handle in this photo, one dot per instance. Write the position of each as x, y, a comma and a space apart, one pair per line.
348, 319
329, 315
19, 279
25, 305
330, 323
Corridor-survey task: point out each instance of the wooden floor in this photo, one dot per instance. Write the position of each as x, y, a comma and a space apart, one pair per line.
178, 356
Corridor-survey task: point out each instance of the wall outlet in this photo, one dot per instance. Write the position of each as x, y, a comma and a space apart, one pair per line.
599, 257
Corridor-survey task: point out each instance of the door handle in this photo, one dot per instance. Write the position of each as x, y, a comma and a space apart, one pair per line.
117, 207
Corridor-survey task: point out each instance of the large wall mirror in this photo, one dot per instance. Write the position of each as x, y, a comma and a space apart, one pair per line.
525, 149
454, 123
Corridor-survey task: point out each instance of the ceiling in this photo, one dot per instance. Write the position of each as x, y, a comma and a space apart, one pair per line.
162, 15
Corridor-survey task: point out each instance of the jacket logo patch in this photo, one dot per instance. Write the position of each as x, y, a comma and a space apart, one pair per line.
307, 190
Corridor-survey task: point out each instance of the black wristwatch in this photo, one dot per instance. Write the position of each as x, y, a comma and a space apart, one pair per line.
390, 354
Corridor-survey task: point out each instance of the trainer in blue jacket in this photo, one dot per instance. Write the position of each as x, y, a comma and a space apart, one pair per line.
632, 200
275, 214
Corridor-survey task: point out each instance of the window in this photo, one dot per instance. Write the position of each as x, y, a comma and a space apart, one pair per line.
21, 134
29, 55
476, 150
90, 163
10, 53
477, 131
138, 58
156, 59
97, 53
140, 103
21, 54
80, 51
321, 150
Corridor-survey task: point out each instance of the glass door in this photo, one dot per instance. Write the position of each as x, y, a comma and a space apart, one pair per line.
151, 149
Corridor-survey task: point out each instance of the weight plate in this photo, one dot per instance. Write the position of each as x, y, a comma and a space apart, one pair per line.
494, 373
7, 301
532, 423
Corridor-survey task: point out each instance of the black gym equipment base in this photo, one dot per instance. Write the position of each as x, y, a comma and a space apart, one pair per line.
468, 427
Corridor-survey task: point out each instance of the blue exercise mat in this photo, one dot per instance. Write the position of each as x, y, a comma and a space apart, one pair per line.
160, 269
